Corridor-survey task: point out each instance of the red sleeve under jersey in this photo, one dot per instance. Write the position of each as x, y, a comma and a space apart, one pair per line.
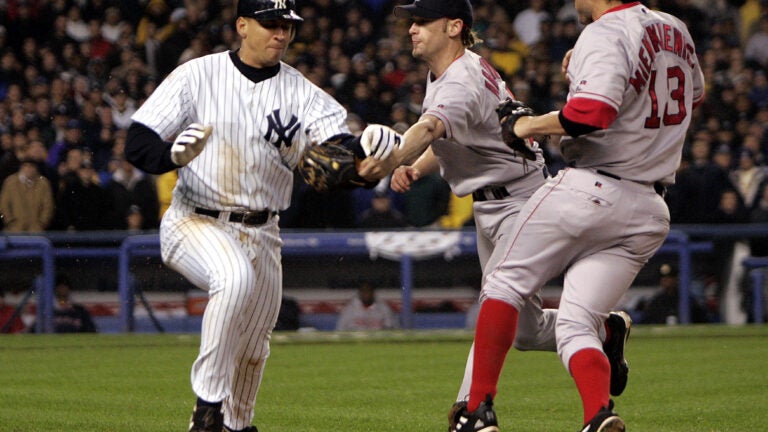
589, 112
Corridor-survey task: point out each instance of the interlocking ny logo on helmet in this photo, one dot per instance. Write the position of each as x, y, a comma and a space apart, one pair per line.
268, 10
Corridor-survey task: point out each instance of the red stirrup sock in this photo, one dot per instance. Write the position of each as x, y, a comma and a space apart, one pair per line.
592, 373
494, 334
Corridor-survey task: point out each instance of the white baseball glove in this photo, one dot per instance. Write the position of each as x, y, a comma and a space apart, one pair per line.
379, 141
190, 143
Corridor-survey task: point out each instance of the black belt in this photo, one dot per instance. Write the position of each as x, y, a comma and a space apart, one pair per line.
658, 187
607, 174
496, 192
246, 218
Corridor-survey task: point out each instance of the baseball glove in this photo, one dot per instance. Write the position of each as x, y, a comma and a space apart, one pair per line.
330, 166
509, 111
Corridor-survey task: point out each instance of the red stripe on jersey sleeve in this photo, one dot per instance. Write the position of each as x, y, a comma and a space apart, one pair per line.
589, 112
699, 101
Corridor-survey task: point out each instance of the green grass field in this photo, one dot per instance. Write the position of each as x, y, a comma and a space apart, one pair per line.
712, 378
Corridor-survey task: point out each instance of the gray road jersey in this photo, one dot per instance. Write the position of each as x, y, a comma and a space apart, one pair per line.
472, 154
643, 64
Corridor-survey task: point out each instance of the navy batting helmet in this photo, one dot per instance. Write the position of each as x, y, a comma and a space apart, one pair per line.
268, 10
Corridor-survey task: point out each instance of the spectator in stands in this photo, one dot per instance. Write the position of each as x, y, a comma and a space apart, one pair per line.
198, 47
563, 37
90, 126
427, 201
156, 20
365, 102
758, 93
695, 196
73, 138
752, 142
128, 188
459, 214
70, 317
76, 28
506, 52
730, 209
26, 200
663, 306
113, 25
759, 214
122, 107
748, 177
66, 171
39, 154
382, 214
134, 219
415, 99
84, 204
170, 50
10, 320
366, 312
756, 49
723, 158
527, 23
727, 252
11, 154
400, 118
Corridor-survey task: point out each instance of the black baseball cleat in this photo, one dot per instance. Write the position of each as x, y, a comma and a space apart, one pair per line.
248, 429
206, 419
453, 415
605, 421
483, 419
619, 324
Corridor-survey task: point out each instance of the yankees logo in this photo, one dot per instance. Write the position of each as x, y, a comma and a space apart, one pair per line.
284, 133
280, 4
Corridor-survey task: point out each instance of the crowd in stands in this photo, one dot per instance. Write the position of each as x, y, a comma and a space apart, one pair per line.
72, 72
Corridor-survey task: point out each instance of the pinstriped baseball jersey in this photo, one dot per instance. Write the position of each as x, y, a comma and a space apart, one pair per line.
259, 130
655, 51
472, 155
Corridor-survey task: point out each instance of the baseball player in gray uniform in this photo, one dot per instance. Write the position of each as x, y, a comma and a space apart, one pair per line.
459, 135
634, 81
241, 120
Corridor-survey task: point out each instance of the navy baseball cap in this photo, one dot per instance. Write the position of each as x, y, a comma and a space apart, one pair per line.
434, 9
264, 10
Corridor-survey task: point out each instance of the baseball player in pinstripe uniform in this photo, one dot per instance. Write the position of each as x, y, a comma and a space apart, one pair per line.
459, 135
634, 82
241, 120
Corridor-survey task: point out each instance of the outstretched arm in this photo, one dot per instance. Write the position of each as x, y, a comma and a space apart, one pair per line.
415, 141
547, 124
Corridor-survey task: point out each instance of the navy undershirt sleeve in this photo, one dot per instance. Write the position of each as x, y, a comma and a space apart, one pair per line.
574, 129
147, 151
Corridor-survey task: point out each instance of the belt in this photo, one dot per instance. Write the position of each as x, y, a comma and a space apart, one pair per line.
658, 187
246, 218
607, 174
498, 192
495, 192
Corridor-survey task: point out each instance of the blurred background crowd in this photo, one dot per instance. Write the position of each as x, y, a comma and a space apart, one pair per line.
72, 72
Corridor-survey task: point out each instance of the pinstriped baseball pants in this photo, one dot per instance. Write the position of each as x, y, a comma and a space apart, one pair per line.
240, 268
